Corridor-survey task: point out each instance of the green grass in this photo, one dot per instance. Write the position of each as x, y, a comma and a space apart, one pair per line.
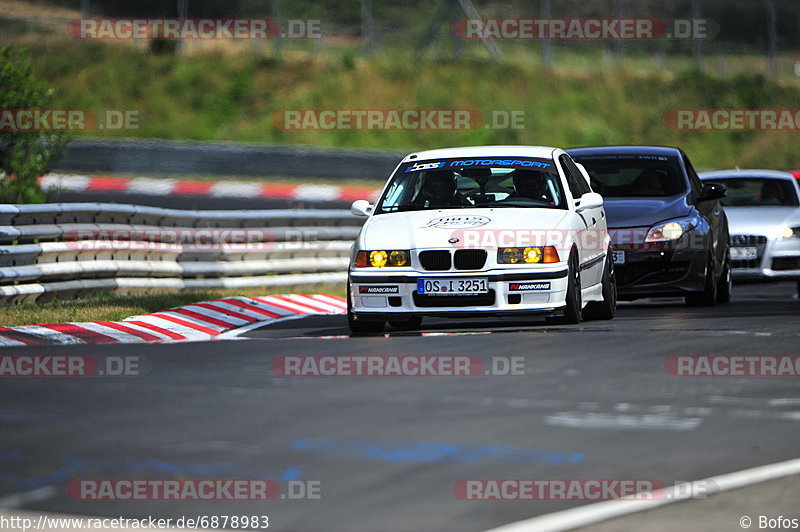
216, 96
111, 307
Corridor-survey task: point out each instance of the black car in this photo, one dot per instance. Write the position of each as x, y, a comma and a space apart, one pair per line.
669, 229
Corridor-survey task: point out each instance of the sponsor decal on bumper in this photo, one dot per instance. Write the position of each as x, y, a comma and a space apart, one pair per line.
378, 289
524, 287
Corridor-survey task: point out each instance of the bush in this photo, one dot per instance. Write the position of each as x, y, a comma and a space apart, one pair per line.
26, 155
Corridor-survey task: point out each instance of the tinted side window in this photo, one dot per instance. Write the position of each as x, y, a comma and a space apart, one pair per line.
577, 184
694, 180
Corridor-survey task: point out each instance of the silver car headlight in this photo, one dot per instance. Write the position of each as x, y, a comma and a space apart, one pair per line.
671, 229
790, 232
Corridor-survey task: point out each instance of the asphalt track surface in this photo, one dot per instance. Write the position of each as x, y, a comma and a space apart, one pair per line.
595, 402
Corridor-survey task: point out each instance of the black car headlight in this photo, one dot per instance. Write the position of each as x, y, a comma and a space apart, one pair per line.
671, 229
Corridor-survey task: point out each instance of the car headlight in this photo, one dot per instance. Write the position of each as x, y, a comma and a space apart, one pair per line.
671, 230
379, 258
790, 232
527, 255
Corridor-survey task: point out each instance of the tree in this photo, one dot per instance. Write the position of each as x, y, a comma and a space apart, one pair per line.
26, 155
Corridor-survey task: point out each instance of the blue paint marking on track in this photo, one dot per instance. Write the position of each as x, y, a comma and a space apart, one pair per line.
435, 452
72, 465
7, 417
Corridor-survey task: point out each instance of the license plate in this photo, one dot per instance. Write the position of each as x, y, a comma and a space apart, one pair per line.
452, 287
748, 253
619, 257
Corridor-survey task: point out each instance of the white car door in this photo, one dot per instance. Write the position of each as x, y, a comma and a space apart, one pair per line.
590, 224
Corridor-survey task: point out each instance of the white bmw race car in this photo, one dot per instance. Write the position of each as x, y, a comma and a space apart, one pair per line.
482, 231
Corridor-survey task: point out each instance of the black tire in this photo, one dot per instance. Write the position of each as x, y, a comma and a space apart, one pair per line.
607, 308
725, 283
409, 324
360, 326
572, 311
708, 297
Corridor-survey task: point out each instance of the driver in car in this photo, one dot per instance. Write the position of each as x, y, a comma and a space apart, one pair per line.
439, 190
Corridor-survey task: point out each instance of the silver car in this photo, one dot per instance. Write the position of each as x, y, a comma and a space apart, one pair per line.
763, 208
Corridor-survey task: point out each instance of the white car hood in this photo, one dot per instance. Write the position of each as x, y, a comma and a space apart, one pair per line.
432, 228
767, 221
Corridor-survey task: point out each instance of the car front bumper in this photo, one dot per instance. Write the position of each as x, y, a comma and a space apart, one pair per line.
382, 295
660, 273
777, 259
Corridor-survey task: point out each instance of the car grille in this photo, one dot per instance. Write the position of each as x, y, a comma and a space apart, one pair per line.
435, 260
757, 241
650, 273
470, 259
786, 263
481, 300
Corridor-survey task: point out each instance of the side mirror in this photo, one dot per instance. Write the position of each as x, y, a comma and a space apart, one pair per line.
712, 191
590, 200
361, 208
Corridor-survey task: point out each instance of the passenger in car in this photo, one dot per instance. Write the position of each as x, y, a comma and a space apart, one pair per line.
531, 184
770, 194
649, 182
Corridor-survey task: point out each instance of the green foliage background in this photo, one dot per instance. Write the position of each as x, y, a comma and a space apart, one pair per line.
25, 155
235, 97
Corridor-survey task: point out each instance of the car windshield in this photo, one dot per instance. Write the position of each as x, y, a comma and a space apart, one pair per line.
634, 176
758, 192
474, 183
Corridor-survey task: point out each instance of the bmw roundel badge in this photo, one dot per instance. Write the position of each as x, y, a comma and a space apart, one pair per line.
452, 240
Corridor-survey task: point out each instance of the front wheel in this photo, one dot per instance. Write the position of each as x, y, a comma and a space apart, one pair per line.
572, 309
725, 285
607, 308
708, 297
360, 326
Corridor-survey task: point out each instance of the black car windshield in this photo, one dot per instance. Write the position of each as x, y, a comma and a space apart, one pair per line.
474, 183
634, 176
758, 192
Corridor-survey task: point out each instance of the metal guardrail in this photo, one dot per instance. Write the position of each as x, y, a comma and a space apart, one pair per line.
158, 156
69, 250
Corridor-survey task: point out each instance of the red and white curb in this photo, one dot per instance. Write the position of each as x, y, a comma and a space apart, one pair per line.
198, 321
215, 189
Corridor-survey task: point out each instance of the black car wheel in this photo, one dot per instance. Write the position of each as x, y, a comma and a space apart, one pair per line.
360, 326
572, 311
725, 285
607, 308
708, 297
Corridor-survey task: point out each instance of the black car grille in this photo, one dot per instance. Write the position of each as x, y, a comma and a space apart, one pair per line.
740, 241
650, 273
786, 263
470, 259
480, 300
435, 260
